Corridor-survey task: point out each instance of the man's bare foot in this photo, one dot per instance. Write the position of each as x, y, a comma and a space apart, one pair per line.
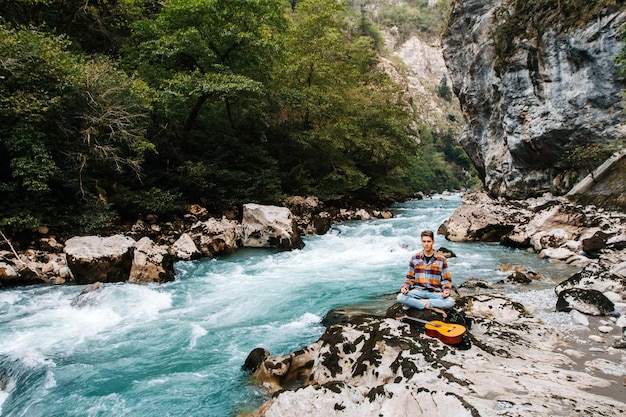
438, 310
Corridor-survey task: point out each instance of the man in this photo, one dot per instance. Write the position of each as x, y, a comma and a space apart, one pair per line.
428, 281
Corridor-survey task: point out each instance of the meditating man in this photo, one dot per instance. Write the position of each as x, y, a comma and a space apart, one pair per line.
428, 281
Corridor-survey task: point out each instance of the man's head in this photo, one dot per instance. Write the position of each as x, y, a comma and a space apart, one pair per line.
428, 238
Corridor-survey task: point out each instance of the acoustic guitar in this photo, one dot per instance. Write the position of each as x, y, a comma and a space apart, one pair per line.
448, 333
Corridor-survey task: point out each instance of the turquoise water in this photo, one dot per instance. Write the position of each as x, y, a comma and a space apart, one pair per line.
176, 349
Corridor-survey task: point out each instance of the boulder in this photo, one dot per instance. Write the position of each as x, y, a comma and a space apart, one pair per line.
556, 253
31, 273
591, 302
8, 274
474, 284
552, 222
518, 277
88, 296
553, 238
184, 248
594, 243
215, 236
95, 258
151, 263
595, 276
481, 218
269, 227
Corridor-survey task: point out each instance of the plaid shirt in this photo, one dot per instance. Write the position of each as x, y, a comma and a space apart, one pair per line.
432, 276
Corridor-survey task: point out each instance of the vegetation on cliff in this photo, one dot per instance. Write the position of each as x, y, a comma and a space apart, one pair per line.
109, 110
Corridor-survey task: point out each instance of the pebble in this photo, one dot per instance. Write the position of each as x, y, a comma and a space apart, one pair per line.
605, 329
596, 338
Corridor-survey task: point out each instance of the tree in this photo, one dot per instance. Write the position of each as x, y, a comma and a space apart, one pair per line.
443, 90
342, 130
209, 62
93, 26
67, 126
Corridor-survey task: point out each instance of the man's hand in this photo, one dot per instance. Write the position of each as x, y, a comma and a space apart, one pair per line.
445, 293
404, 290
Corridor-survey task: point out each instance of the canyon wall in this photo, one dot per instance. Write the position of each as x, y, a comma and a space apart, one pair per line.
546, 113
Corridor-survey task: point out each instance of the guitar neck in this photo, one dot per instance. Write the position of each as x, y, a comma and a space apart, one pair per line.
421, 321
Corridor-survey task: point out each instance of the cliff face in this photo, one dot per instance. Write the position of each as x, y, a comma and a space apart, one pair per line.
538, 120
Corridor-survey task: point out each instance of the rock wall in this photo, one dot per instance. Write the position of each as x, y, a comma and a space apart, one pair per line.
527, 117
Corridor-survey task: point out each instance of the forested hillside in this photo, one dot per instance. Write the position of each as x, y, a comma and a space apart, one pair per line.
112, 110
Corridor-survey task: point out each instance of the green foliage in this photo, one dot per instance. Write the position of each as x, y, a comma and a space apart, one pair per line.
149, 201
342, 128
443, 90
93, 26
590, 156
30, 95
20, 221
64, 122
113, 109
210, 63
411, 17
366, 27
95, 217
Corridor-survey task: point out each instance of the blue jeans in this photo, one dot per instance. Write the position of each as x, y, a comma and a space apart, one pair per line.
435, 299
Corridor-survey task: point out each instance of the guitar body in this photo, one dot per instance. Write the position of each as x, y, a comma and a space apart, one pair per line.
448, 333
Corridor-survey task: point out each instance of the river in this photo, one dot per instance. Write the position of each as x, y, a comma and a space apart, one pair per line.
176, 349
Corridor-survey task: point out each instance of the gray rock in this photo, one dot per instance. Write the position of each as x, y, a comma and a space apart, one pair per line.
89, 296
591, 302
595, 276
554, 96
95, 258
269, 226
373, 366
215, 236
151, 263
184, 248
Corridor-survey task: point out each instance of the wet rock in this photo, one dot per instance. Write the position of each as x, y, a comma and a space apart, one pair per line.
446, 252
475, 284
517, 277
593, 244
255, 359
8, 274
89, 296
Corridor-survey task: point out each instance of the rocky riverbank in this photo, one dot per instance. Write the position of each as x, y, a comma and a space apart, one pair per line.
531, 353
146, 252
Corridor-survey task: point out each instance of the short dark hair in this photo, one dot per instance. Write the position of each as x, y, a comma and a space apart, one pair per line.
428, 233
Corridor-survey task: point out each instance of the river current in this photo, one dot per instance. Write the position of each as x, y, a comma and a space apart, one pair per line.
177, 349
